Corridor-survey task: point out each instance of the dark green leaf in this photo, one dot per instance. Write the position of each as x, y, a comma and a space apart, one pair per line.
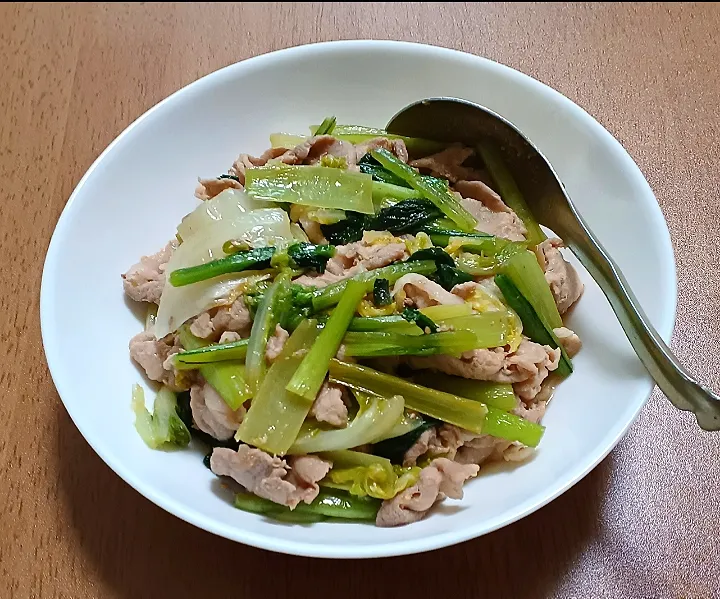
449, 276
307, 255
327, 126
407, 216
424, 322
439, 255
381, 292
346, 231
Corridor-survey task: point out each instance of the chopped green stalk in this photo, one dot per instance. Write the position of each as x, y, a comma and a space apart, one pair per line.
444, 312
311, 186
327, 504
523, 270
375, 344
330, 295
505, 425
509, 190
285, 140
358, 134
498, 395
381, 292
193, 358
227, 378
266, 318
256, 259
493, 328
327, 126
394, 448
376, 417
465, 413
310, 375
396, 323
533, 324
425, 323
162, 428
438, 193
381, 191
441, 235
461, 412
276, 415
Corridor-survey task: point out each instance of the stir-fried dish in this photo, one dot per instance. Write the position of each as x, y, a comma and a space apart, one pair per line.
353, 323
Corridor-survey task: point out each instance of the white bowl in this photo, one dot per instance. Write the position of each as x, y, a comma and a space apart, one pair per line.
133, 196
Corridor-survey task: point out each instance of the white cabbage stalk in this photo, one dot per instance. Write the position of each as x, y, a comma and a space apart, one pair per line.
227, 205
207, 230
376, 418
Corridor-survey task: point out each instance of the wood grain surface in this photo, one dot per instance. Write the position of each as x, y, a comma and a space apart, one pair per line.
643, 525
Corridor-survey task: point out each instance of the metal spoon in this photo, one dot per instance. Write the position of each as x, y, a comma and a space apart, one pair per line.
455, 120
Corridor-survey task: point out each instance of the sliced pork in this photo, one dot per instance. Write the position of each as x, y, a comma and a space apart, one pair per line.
144, 281
211, 414
563, 279
441, 478
155, 357
271, 477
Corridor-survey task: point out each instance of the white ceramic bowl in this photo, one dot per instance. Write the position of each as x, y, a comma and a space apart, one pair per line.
133, 196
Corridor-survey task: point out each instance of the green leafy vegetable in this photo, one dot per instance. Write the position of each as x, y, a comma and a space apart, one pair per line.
498, 395
333, 503
256, 259
307, 255
346, 231
275, 416
438, 255
381, 292
523, 270
364, 474
509, 190
162, 428
441, 235
443, 406
449, 276
370, 166
376, 343
465, 413
311, 186
310, 374
327, 126
189, 359
423, 321
533, 324
330, 295
436, 191
227, 377
358, 134
266, 317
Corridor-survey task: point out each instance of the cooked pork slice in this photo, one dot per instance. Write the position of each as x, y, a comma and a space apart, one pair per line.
422, 292
144, 281
329, 405
271, 477
563, 279
155, 358
211, 414
441, 478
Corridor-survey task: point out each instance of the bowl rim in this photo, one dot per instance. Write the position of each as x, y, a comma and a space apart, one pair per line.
396, 548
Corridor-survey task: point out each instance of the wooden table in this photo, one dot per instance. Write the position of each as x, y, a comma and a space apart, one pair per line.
642, 525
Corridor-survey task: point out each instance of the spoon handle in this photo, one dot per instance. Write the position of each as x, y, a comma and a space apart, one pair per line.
674, 381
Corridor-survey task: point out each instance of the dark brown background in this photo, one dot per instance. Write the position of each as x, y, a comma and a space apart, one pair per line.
644, 524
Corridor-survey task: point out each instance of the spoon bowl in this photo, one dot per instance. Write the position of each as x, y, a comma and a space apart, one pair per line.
456, 120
